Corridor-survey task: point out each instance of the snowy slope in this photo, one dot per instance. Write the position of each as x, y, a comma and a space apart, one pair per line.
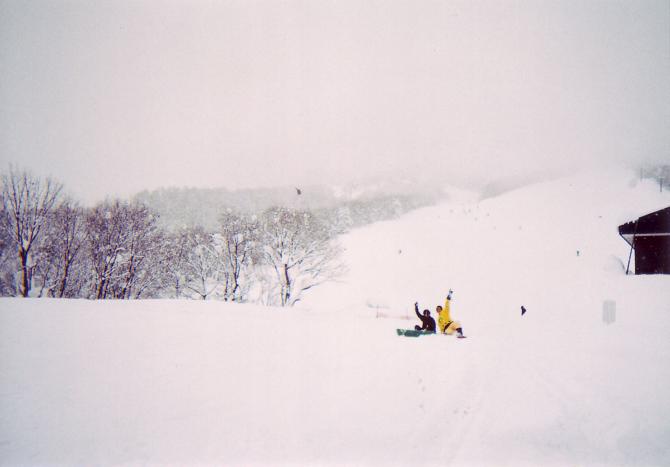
190, 383
520, 247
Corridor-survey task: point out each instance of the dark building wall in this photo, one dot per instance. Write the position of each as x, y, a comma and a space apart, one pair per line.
652, 255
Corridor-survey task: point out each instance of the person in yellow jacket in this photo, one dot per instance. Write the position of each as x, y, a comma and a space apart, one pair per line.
444, 322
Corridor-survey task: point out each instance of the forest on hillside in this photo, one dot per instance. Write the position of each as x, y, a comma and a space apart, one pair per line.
262, 246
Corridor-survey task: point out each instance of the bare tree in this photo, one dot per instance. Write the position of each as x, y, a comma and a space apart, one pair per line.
71, 223
120, 240
60, 271
202, 264
106, 239
141, 268
27, 203
175, 251
297, 247
236, 243
8, 260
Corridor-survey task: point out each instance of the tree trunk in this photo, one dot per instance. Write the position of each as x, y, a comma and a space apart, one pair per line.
101, 288
63, 282
25, 274
287, 292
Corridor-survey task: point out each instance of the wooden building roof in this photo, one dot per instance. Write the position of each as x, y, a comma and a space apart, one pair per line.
655, 224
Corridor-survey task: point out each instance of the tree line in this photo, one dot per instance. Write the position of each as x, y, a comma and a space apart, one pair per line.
51, 246
342, 207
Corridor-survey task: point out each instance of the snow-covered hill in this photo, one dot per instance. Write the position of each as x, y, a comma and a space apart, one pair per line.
498, 253
329, 383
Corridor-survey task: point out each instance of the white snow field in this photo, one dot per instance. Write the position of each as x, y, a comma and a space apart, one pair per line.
329, 382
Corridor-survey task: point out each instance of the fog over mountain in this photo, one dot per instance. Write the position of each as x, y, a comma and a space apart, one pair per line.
117, 97
342, 206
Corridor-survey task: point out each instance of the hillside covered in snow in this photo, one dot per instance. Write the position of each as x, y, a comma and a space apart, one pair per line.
171, 382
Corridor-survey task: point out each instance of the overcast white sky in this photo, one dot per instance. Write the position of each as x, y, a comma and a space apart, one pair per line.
112, 97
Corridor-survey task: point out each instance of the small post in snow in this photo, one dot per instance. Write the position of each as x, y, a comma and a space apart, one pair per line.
609, 311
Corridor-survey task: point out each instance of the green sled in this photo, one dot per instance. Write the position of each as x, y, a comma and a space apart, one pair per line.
412, 332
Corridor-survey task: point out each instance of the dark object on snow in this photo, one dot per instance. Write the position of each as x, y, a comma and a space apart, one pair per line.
412, 332
299, 191
427, 322
649, 236
523, 310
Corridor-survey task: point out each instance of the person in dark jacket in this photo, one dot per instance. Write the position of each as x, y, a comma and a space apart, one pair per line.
427, 322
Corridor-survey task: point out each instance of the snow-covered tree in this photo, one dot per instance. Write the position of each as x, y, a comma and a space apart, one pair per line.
27, 204
61, 271
106, 235
141, 262
175, 249
8, 260
121, 238
296, 246
202, 265
237, 239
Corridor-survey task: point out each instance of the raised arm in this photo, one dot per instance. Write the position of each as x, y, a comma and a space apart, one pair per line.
446, 302
416, 310
446, 313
